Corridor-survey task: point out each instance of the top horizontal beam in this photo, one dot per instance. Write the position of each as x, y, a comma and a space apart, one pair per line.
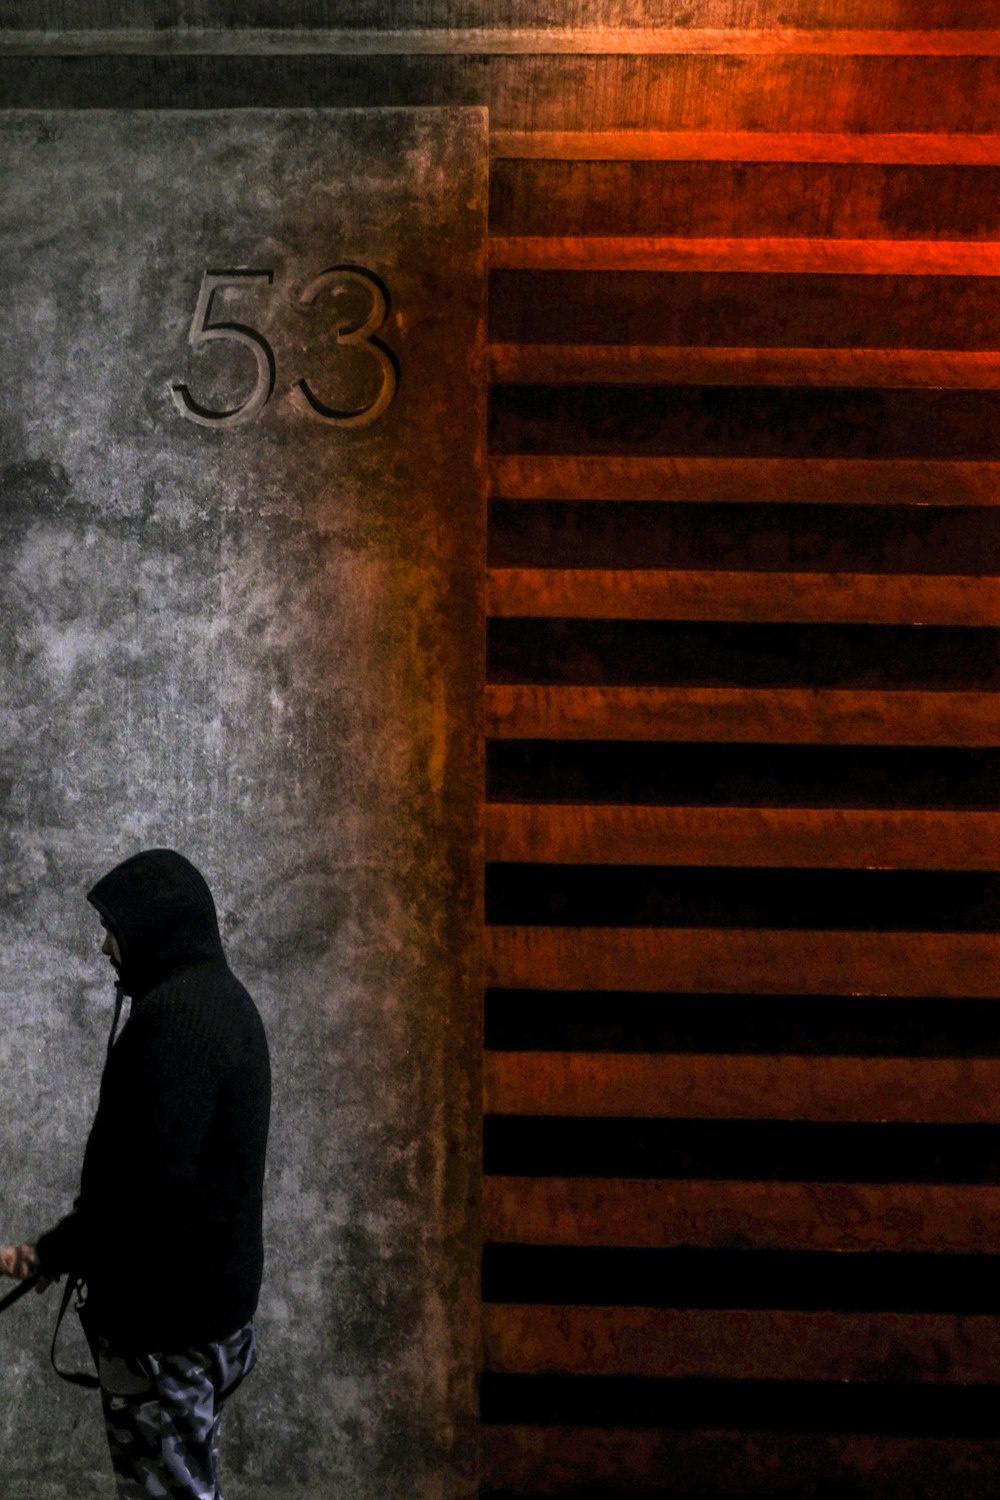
556, 92
900, 15
899, 147
504, 40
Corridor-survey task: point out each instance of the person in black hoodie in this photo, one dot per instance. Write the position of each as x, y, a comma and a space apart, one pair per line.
167, 1229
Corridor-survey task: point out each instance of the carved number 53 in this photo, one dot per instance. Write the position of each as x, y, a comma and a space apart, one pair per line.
302, 396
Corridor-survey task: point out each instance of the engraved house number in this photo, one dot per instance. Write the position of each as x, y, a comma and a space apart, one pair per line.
355, 336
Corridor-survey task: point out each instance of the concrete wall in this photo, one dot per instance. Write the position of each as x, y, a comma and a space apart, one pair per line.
258, 643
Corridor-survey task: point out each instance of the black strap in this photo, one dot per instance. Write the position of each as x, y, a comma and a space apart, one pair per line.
21, 1290
89, 1382
119, 1001
73, 1284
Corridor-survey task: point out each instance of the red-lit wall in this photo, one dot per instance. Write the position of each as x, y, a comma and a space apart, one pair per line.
743, 1204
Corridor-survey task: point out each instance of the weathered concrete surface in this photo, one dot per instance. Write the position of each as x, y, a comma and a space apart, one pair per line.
260, 645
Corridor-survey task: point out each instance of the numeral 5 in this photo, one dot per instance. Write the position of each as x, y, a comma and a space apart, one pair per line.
304, 399
204, 332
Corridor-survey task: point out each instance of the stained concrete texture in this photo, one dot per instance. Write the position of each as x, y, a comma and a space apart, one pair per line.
259, 642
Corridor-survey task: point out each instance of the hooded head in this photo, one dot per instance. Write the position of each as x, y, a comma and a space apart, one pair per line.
160, 910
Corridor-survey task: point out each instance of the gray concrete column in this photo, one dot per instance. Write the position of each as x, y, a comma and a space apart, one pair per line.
241, 574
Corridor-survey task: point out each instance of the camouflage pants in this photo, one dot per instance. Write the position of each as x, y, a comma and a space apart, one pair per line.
162, 1414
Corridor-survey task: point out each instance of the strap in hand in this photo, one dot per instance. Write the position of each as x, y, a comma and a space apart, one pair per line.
89, 1382
20, 1290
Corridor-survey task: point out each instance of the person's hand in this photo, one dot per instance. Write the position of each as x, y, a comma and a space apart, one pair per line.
18, 1260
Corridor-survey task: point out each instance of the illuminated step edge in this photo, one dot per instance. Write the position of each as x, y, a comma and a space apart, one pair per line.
747, 1344
639, 364
780, 715
736, 1086
697, 594
760, 961
767, 256
748, 1215
851, 481
755, 1465
845, 838
881, 148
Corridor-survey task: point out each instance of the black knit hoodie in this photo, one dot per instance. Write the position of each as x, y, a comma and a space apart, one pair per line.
167, 1227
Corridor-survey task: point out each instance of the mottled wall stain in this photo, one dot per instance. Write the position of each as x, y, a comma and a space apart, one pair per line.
260, 645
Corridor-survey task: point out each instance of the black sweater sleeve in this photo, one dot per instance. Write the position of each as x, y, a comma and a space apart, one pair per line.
60, 1249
